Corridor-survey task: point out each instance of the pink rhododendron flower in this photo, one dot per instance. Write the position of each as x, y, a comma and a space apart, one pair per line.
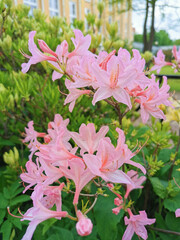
73, 95
37, 55
112, 83
136, 225
31, 136
177, 212
176, 54
154, 96
40, 212
159, 61
137, 182
84, 225
126, 154
87, 138
106, 163
81, 44
79, 174
33, 175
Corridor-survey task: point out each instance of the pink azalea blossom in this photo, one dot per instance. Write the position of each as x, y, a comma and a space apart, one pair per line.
106, 163
176, 54
126, 154
81, 44
137, 182
84, 225
112, 83
136, 225
152, 98
159, 61
79, 174
73, 95
33, 175
87, 138
177, 212
37, 55
40, 212
31, 136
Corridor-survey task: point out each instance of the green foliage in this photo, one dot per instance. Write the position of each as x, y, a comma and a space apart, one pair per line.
103, 213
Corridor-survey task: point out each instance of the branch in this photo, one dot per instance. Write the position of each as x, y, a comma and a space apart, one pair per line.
164, 231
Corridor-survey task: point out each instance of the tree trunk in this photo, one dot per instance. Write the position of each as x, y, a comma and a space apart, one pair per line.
145, 40
151, 38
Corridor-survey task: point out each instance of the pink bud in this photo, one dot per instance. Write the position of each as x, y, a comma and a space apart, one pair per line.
116, 210
47, 138
44, 47
84, 225
110, 185
118, 201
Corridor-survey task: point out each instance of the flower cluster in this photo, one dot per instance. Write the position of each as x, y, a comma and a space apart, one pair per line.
57, 159
160, 62
117, 78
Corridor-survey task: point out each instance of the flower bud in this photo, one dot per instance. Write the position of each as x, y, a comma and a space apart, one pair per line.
118, 201
84, 225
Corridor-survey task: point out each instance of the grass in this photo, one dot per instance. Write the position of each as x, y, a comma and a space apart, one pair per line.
173, 83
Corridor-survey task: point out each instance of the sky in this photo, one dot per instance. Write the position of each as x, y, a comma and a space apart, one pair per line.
166, 18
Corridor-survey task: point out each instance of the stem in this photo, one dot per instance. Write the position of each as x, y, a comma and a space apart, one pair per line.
95, 200
72, 218
164, 231
83, 194
177, 149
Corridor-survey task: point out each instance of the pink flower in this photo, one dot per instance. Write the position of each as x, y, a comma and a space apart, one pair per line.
84, 225
39, 212
136, 225
31, 136
159, 61
106, 163
154, 96
81, 44
177, 212
33, 175
37, 55
112, 83
73, 95
176, 54
137, 182
87, 139
78, 172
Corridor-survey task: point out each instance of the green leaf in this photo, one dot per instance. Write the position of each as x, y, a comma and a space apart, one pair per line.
2, 215
62, 234
106, 221
47, 224
159, 187
3, 201
172, 203
19, 199
172, 222
6, 230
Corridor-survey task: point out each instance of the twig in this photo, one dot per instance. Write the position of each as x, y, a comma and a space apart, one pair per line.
164, 231
95, 200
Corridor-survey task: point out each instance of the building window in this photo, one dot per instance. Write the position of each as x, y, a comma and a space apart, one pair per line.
86, 11
72, 9
32, 4
53, 8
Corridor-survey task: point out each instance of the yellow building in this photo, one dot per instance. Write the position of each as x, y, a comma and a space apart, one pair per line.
77, 9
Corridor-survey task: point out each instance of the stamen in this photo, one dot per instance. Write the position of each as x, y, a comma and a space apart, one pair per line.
13, 214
